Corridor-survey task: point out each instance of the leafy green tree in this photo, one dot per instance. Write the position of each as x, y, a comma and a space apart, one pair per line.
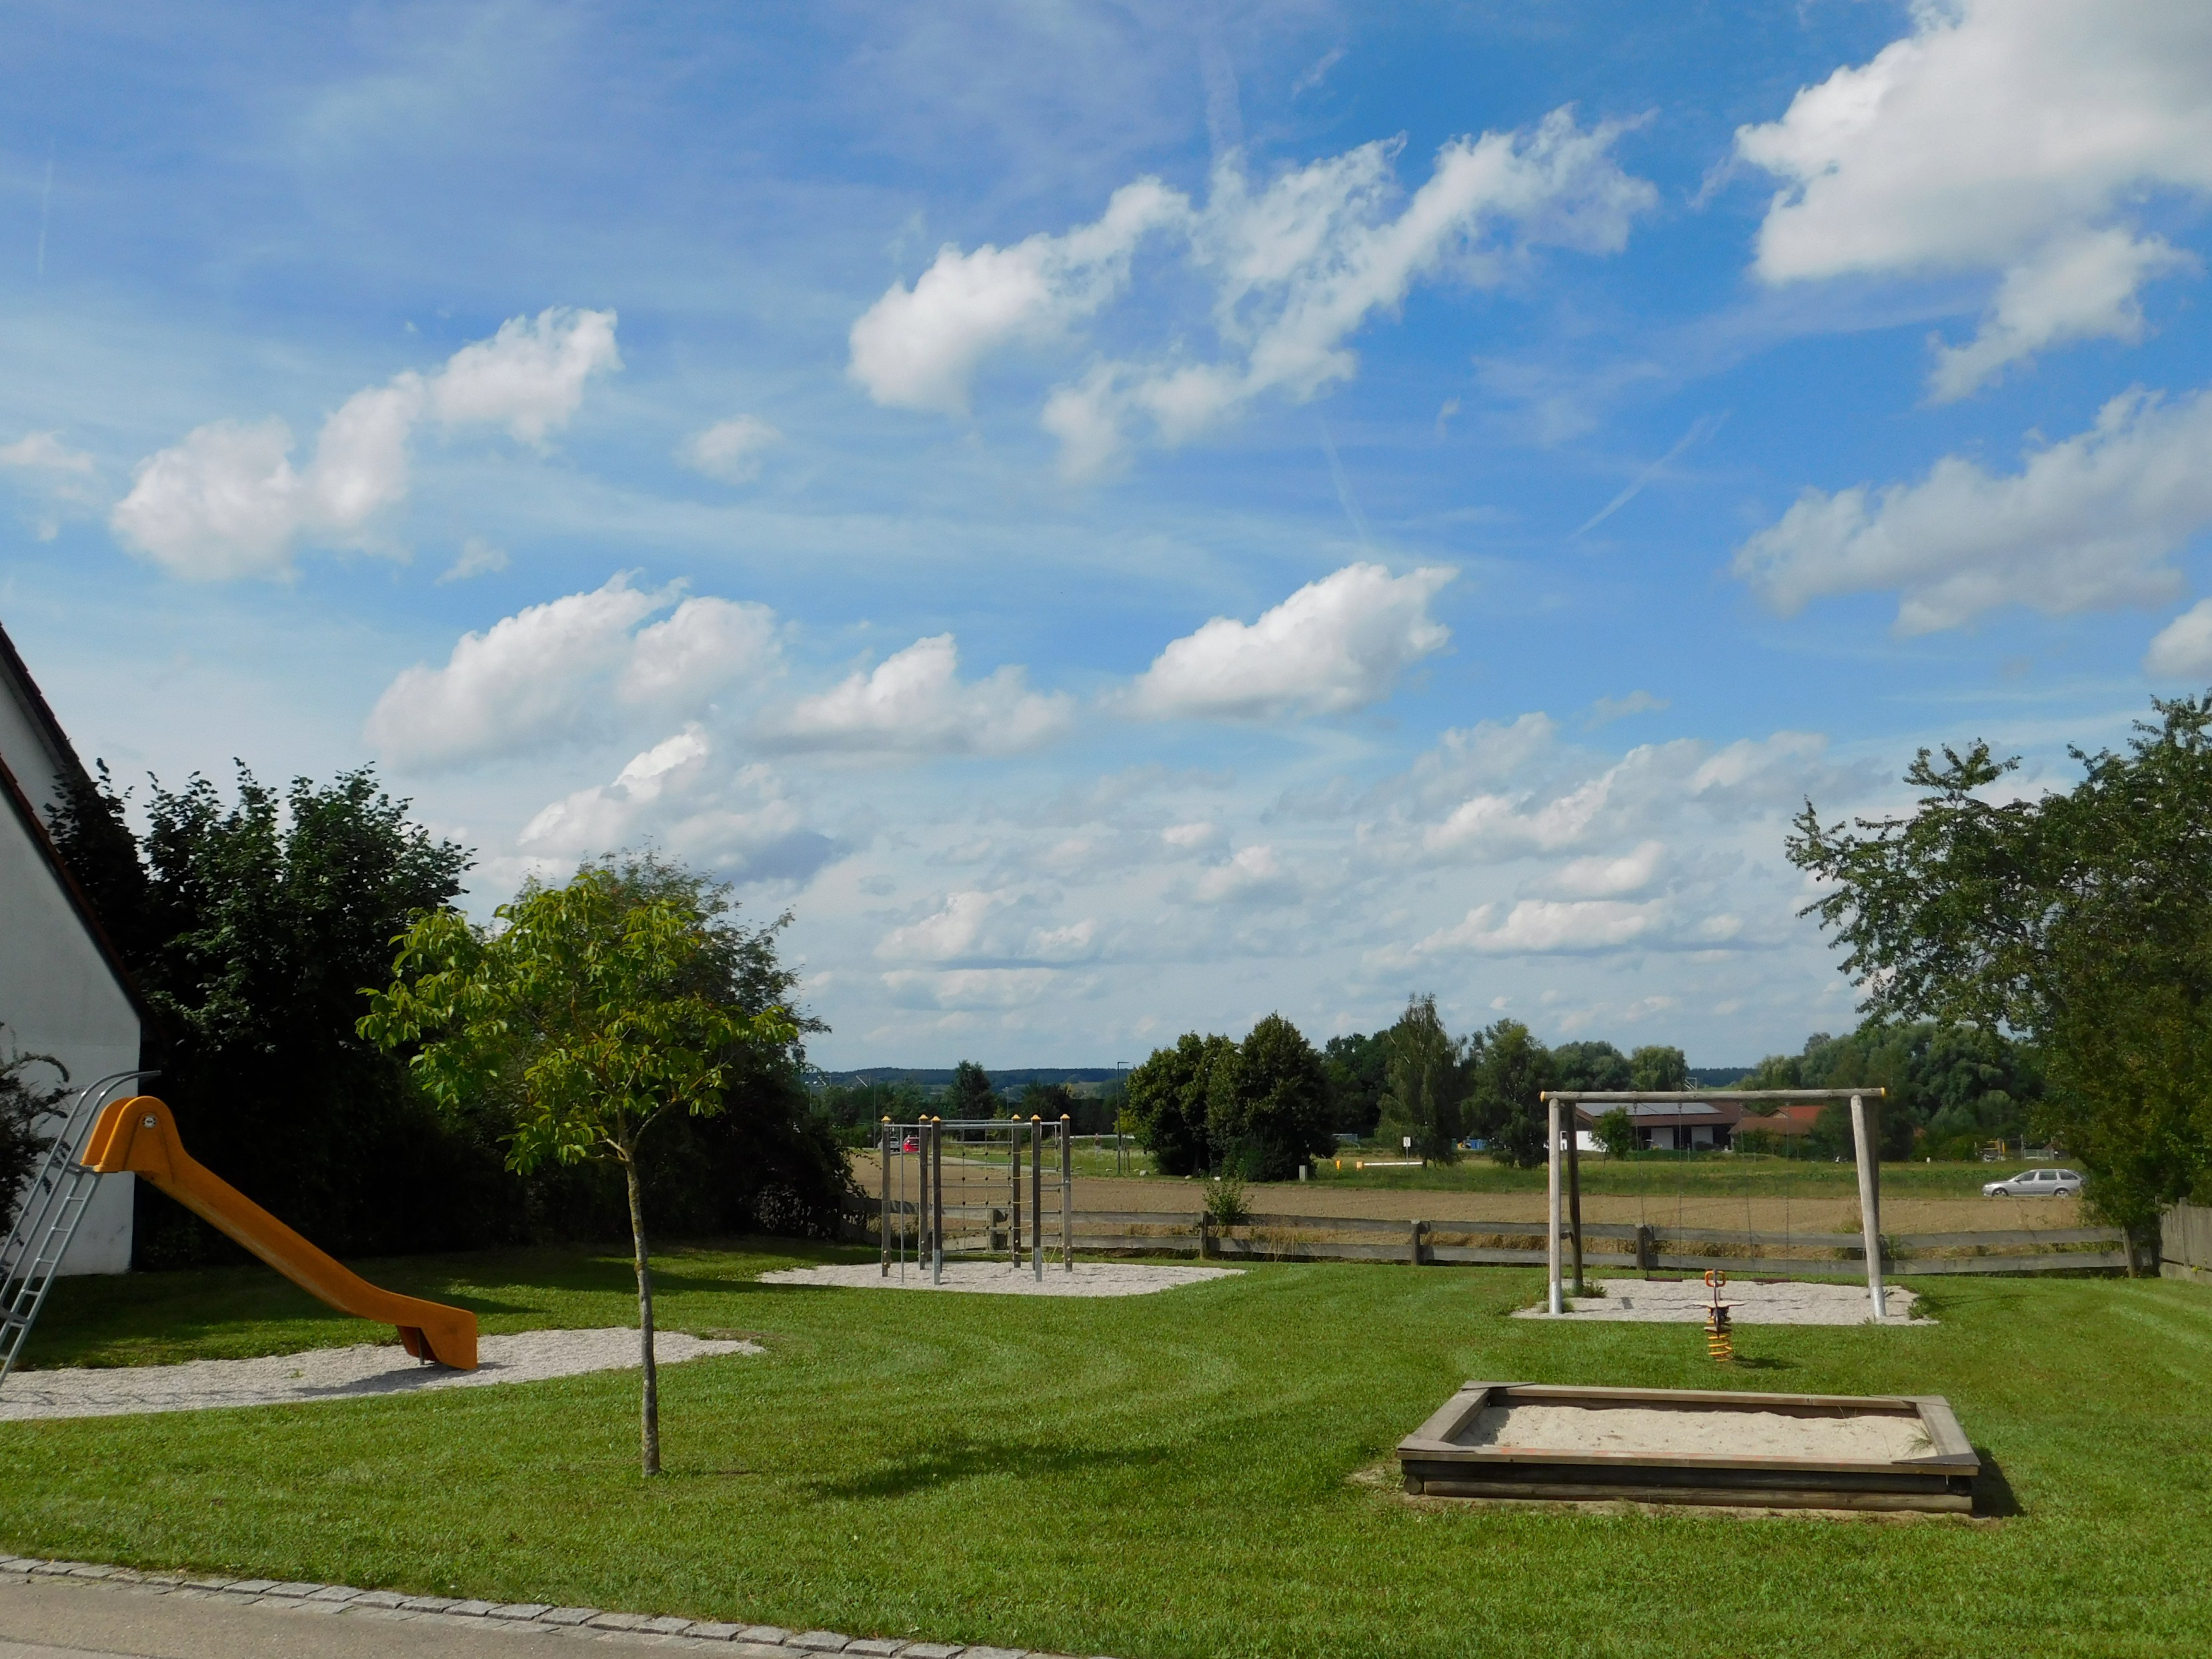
2082, 918
1424, 1081
1355, 1065
1616, 1132
582, 1021
1049, 1101
1165, 1101
25, 1101
251, 925
971, 1094
1510, 1070
1596, 1066
1267, 1107
1661, 1071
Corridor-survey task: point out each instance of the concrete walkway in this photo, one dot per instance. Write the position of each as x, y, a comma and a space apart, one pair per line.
70, 1610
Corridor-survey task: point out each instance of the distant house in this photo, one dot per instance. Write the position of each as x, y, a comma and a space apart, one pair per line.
63, 991
1670, 1125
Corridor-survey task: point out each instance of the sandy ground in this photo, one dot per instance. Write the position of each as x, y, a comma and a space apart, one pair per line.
997, 1278
1872, 1438
1836, 1212
1684, 1302
333, 1374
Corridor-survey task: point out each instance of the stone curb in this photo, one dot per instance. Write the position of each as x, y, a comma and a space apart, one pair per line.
763, 1640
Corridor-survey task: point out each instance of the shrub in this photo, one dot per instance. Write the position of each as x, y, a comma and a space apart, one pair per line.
1616, 1132
1225, 1205
22, 1104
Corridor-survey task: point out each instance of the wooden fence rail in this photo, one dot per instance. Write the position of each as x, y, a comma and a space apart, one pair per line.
1607, 1247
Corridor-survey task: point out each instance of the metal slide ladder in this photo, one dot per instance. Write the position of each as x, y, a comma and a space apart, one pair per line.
53, 1205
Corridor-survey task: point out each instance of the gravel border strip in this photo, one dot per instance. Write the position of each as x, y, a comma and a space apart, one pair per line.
755, 1640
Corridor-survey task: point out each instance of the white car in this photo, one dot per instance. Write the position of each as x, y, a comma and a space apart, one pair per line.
2036, 1183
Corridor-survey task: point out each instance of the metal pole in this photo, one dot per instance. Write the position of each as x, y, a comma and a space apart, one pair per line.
1014, 1192
1869, 1202
937, 1201
1036, 1196
1067, 1195
1575, 1196
884, 1149
1553, 1301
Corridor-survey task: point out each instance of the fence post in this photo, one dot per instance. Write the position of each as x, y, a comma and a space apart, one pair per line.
1413, 1243
1205, 1227
1647, 1250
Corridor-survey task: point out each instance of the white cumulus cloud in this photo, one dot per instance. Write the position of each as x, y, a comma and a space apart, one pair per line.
1297, 266
2014, 136
1547, 927
1334, 646
536, 675
2183, 648
226, 501
706, 644
2087, 524
1604, 877
730, 450
550, 671
679, 795
919, 348
915, 701
529, 377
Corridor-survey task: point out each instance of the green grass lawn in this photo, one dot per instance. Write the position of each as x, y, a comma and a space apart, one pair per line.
1170, 1474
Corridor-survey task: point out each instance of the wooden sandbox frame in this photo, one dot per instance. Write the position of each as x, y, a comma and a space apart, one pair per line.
1436, 1463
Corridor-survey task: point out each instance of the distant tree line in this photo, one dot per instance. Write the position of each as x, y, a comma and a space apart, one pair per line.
1951, 1089
854, 1110
256, 926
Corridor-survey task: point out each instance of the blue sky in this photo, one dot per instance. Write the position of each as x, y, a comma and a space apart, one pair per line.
1122, 518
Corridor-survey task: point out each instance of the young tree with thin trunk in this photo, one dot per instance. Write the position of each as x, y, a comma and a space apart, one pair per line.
592, 1013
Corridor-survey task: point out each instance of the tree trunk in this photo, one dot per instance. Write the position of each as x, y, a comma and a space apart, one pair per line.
649, 1405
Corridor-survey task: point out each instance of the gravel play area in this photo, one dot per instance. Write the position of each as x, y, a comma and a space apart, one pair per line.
333, 1374
1870, 1438
999, 1279
1684, 1302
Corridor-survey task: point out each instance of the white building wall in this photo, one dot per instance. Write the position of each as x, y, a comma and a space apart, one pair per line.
58, 996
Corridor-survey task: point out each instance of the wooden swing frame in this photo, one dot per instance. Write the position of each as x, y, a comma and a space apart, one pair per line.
1863, 1125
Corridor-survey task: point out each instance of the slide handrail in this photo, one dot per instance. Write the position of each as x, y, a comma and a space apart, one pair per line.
139, 1135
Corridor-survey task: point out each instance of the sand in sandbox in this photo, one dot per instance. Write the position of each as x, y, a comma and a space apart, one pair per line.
1869, 1438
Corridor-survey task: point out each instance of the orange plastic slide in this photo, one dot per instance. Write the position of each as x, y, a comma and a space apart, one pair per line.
140, 1135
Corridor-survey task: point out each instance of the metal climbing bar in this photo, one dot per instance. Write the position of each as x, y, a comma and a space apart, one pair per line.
54, 1203
976, 1199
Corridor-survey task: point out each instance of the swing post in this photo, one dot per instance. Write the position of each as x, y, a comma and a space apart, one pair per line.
1862, 1141
1556, 1303
1575, 1196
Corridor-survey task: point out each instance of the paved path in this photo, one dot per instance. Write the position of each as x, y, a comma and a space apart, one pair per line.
53, 1609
